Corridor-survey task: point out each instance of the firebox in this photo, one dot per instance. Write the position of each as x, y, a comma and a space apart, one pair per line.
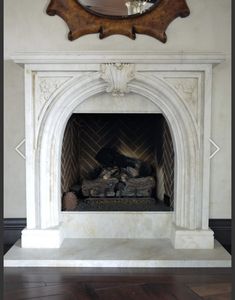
117, 162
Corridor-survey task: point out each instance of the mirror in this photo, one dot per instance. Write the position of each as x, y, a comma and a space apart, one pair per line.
125, 17
118, 8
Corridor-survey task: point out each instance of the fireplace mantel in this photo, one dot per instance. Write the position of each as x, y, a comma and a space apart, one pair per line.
179, 85
93, 57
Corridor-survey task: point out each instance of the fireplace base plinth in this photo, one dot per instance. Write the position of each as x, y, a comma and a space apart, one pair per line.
192, 239
121, 253
39, 238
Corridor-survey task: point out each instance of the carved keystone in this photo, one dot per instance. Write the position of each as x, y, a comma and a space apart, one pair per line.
117, 76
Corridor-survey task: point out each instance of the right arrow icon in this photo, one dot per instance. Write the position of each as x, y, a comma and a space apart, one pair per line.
216, 146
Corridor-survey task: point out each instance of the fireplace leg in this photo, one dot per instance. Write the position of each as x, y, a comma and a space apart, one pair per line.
41, 238
192, 239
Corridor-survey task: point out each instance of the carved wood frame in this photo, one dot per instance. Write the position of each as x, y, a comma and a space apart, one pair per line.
153, 23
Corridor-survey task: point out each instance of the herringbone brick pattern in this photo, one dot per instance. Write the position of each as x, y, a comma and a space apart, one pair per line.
70, 155
168, 163
95, 133
126, 133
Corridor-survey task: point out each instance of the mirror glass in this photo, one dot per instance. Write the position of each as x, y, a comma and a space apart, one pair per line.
118, 8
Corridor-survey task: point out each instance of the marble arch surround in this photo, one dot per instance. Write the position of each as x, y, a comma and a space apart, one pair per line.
178, 85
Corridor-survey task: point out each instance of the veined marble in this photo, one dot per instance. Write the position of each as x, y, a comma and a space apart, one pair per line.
123, 253
127, 225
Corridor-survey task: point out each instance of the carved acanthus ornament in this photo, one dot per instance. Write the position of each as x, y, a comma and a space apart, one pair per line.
48, 86
45, 87
187, 89
117, 76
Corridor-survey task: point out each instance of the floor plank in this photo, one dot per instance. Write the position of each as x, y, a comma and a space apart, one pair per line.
212, 289
121, 284
226, 296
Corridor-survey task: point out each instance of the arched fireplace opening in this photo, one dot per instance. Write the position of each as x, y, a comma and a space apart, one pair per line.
117, 162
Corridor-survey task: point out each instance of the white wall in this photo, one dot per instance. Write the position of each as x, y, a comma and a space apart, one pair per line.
28, 28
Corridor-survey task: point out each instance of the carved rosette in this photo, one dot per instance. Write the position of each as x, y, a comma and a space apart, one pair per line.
117, 76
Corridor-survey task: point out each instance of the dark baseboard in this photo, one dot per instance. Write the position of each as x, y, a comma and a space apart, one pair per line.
12, 231
14, 226
222, 232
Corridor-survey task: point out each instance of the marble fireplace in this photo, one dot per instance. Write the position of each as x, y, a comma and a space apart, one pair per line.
178, 86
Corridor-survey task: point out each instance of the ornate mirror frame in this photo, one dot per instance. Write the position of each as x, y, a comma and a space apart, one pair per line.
153, 23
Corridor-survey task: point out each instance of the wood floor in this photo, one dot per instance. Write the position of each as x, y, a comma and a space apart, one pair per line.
117, 284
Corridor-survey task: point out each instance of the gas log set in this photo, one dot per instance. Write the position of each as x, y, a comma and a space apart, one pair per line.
116, 177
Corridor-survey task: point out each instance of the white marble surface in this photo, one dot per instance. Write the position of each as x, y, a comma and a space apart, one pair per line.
91, 57
131, 103
44, 238
192, 239
116, 253
129, 225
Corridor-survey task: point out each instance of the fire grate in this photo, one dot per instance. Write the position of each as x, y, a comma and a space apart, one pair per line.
121, 204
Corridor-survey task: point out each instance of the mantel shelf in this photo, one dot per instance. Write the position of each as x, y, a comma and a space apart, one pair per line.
91, 57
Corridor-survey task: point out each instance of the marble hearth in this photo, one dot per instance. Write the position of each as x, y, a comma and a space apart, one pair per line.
176, 85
